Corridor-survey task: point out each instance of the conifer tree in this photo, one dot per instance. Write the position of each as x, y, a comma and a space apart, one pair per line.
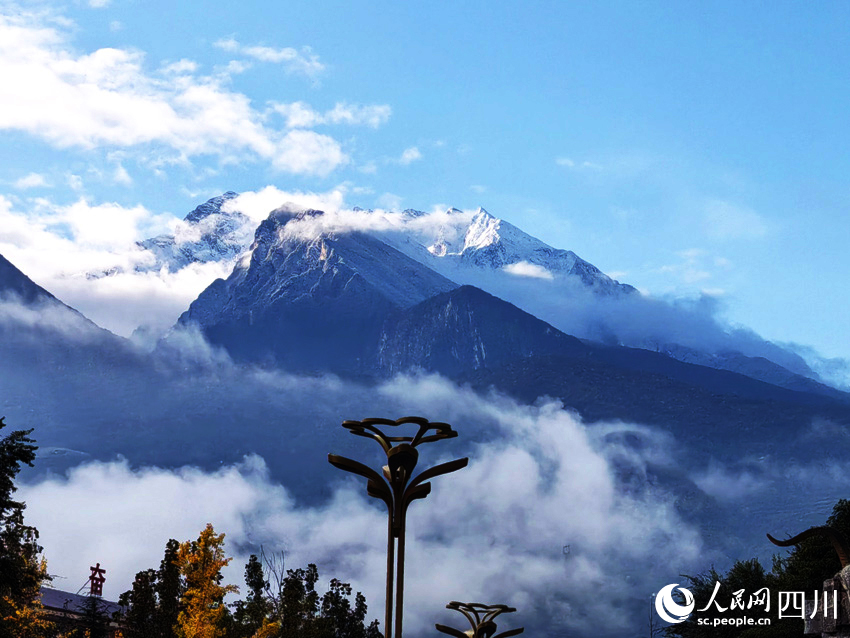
142, 619
22, 569
202, 610
95, 620
169, 590
251, 613
300, 602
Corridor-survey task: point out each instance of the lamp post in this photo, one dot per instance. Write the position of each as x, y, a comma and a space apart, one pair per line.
397, 489
481, 617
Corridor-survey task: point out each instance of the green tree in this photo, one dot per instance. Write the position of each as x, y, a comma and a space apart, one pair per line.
805, 569
169, 590
22, 568
299, 603
95, 620
814, 560
251, 613
142, 617
303, 613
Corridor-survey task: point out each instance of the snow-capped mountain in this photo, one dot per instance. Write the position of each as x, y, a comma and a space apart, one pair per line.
346, 302
315, 303
208, 233
478, 249
464, 246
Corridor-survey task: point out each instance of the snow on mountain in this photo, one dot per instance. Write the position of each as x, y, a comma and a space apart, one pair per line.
310, 302
206, 234
466, 246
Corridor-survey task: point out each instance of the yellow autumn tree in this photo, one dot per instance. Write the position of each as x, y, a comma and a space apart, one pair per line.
203, 612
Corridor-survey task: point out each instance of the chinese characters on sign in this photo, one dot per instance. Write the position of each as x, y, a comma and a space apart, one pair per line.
97, 579
789, 604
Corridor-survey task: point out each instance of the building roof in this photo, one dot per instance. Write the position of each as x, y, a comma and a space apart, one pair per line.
75, 603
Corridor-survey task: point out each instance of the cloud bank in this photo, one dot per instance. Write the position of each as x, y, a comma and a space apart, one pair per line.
494, 531
111, 98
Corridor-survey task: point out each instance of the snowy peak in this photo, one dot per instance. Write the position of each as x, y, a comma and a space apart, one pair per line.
209, 233
310, 303
482, 232
287, 258
467, 246
210, 207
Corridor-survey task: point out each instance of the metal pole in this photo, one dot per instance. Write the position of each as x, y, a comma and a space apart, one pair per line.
400, 581
388, 615
397, 488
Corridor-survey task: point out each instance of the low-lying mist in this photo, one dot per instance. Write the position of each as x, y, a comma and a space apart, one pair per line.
140, 447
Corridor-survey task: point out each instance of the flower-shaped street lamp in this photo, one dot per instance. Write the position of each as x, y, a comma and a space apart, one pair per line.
480, 617
397, 488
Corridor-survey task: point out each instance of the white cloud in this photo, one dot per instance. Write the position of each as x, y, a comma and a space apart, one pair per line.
181, 67
33, 180
101, 226
108, 99
527, 269
57, 245
390, 201
410, 155
727, 485
570, 163
301, 115
493, 531
303, 62
258, 204
298, 115
75, 182
691, 269
99, 4
370, 115
726, 220
121, 176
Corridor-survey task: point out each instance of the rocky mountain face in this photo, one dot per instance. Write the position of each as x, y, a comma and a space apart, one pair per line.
24, 304
352, 304
310, 304
464, 330
478, 249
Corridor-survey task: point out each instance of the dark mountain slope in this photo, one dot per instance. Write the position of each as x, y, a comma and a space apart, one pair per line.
310, 304
463, 330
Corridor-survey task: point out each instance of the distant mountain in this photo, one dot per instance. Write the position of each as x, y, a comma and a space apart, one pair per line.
463, 245
351, 304
209, 234
572, 294
310, 304
16, 285
555, 285
463, 330
28, 309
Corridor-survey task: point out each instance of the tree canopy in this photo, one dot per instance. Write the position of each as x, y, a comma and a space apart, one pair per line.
22, 568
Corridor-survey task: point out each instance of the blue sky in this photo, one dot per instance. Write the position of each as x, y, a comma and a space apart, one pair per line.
685, 148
